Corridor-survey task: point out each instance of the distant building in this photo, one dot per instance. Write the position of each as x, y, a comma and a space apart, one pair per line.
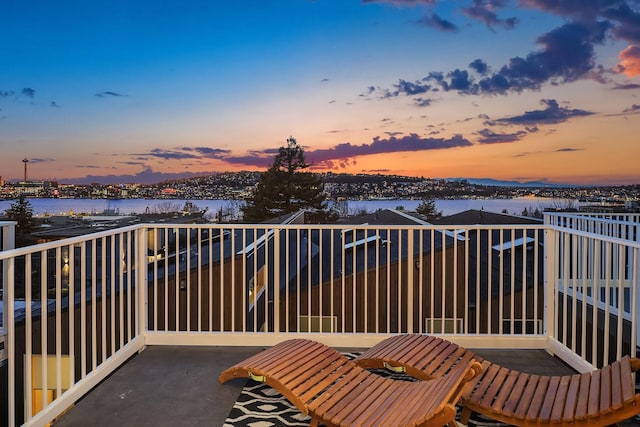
31, 188
64, 227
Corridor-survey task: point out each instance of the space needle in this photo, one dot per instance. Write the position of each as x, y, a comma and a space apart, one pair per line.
25, 161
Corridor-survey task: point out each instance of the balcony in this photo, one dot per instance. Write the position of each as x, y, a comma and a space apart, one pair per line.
77, 310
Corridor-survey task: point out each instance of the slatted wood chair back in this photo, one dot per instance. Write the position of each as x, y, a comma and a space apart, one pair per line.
598, 398
335, 391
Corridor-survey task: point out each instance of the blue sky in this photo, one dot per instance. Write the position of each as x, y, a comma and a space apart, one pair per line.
150, 90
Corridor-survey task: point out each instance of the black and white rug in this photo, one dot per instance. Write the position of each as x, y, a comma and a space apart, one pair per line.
261, 406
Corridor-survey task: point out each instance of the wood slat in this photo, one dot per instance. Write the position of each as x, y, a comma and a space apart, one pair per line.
537, 403
583, 392
549, 399
352, 405
506, 390
304, 372
522, 407
283, 358
401, 411
517, 392
300, 372
422, 399
489, 373
605, 390
441, 352
455, 357
264, 357
593, 408
390, 348
626, 380
376, 409
408, 354
333, 400
616, 386
340, 371
560, 398
399, 349
337, 390
571, 401
425, 355
494, 387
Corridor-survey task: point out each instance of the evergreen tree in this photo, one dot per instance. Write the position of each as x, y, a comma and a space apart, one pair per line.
284, 188
427, 208
21, 211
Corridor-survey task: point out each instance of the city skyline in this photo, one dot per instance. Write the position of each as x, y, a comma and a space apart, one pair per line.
528, 90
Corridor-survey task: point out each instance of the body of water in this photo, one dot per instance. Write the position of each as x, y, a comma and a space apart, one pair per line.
513, 206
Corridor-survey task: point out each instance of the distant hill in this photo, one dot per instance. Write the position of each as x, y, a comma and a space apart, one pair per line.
499, 183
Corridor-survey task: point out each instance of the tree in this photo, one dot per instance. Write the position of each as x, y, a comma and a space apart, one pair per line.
21, 211
285, 189
427, 208
163, 208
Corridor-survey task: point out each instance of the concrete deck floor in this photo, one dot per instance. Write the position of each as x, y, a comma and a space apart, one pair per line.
177, 386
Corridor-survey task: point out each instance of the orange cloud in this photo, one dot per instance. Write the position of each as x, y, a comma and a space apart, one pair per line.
630, 61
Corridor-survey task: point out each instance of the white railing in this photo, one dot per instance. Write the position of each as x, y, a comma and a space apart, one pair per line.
365, 280
72, 320
624, 226
100, 298
595, 296
7, 242
7, 235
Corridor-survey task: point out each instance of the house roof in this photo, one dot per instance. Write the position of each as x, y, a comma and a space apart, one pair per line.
474, 216
384, 217
329, 253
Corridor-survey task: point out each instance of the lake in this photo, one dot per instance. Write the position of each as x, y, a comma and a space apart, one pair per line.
513, 206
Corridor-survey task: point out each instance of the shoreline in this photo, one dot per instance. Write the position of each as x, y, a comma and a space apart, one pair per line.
43, 207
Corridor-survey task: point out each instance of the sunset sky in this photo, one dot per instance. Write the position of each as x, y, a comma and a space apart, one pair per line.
147, 90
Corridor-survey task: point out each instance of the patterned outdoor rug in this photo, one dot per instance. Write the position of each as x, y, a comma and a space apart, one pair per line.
261, 406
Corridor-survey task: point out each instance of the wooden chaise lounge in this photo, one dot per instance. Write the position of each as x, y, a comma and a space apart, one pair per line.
599, 398
335, 391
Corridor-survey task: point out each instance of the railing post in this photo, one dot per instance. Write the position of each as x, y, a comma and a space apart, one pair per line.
276, 279
8, 235
141, 282
550, 279
7, 329
9, 346
410, 274
8, 242
635, 283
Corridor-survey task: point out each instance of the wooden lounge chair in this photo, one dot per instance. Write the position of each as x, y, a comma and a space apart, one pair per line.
599, 398
335, 391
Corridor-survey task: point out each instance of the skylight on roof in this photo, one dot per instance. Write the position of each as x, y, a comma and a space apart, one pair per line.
515, 243
360, 242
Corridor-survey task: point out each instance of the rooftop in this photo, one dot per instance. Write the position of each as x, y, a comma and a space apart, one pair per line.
167, 385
